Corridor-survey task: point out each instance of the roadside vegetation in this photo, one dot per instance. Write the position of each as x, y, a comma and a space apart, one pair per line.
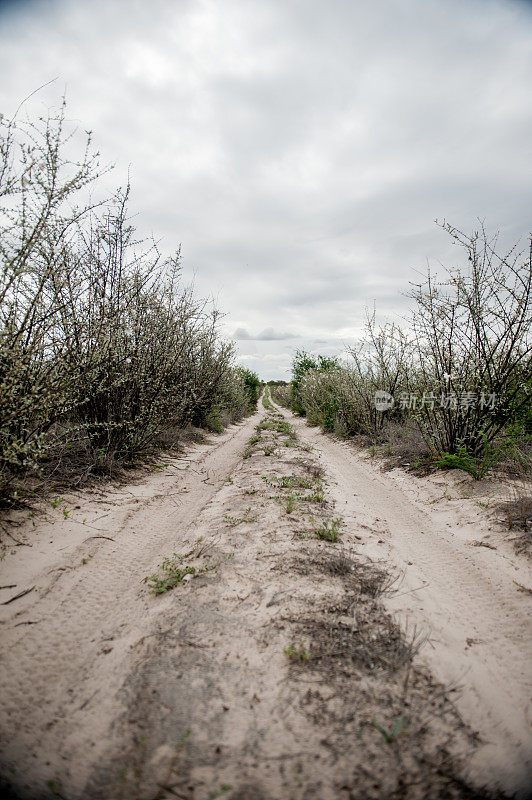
105, 356
452, 389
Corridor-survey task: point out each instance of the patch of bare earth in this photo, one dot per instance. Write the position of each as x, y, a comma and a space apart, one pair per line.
272, 671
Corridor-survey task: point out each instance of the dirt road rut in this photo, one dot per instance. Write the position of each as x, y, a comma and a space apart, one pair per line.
272, 670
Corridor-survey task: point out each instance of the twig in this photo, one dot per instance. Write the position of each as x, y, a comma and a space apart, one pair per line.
109, 539
17, 541
172, 790
192, 644
16, 597
87, 701
409, 591
86, 525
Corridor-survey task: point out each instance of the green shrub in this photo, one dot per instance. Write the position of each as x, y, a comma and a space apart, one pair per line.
253, 386
104, 354
478, 466
281, 393
304, 363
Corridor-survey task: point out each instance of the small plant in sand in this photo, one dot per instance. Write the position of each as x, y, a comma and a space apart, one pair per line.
296, 652
291, 482
289, 502
391, 735
174, 573
316, 496
225, 787
284, 427
233, 521
290, 443
329, 529
264, 425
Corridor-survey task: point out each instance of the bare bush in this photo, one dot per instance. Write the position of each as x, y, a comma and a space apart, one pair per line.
38, 185
473, 341
102, 349
464, 374
342, 397
382, 361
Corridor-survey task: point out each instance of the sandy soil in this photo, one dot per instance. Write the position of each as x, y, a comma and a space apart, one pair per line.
277, 672
461, 584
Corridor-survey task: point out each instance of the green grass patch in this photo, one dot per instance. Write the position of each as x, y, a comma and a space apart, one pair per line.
296, 652
233, 521
266, 402
329, 529
288, 481
317, 496
174, 573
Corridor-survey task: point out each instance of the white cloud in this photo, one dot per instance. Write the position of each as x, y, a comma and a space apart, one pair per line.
267, 335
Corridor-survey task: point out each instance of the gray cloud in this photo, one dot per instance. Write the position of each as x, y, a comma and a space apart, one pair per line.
299, 152
267, 335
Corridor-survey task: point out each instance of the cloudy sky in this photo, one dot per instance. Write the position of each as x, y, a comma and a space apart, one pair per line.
299, 150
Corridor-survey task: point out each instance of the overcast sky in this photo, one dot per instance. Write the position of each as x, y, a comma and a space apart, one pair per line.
299, 150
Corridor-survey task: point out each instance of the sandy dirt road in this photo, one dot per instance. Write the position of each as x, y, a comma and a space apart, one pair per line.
465, 596
276, 671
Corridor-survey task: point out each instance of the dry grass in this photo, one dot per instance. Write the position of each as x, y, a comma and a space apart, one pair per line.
356, 629
516, 513
364, 686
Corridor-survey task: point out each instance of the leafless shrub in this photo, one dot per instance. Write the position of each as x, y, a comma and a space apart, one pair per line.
102, 350
380, 362
473, 343
342, 399
464, 376
402, 443
38, 185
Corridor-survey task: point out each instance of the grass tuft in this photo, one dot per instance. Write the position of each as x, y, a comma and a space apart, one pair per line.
174, 573
329, 529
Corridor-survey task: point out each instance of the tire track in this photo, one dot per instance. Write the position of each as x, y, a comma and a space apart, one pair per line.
480, 627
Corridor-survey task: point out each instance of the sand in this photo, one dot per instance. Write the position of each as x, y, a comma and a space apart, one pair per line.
277, 672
